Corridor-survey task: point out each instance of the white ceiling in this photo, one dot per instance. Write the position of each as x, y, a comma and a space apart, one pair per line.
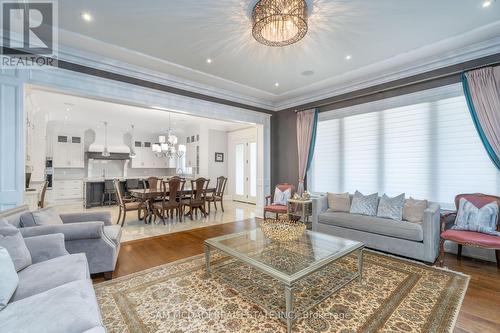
85, 113
176, 37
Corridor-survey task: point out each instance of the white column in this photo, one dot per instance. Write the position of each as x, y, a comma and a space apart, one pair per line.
11, 138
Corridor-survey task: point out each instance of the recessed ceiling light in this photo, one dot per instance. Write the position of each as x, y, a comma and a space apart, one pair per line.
277, 84
486, 3
87, 17
209, 61
348, 57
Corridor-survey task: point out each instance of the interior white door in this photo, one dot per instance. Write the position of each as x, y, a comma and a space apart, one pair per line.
245, 166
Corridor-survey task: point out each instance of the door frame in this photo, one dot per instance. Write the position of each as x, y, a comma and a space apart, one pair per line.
14, 83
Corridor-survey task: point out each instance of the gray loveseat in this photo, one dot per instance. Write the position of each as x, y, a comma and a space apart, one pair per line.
91, 233
54, 294
414, 240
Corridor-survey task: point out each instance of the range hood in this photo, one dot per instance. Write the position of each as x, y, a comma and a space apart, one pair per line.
112, 156
115, 144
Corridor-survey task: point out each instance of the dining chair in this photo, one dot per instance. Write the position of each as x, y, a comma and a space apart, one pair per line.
218, 195
172, 190
153, 182
127, 206
41, 202
197, 199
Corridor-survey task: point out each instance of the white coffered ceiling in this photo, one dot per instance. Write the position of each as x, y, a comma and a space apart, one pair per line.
386, 39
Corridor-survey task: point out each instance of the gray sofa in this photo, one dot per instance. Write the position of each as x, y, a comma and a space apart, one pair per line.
91, 233
413, 240
54, 294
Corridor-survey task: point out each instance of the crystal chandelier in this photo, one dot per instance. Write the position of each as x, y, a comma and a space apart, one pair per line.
279, 22
166, 145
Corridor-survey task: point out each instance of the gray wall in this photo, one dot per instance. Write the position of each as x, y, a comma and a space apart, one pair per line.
284, 164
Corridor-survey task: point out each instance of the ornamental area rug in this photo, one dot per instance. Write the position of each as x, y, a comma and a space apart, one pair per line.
395, 295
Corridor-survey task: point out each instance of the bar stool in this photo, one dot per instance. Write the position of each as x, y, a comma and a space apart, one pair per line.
110, 191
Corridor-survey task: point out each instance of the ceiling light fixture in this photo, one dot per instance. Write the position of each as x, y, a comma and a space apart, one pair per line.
209, 61
277, 84
486, 3
279, 22
348, 57
87, 17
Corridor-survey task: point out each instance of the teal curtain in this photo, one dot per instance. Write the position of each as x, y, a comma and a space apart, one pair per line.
491, 153
313, 140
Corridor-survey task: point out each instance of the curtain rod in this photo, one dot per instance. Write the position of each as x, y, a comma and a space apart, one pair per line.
491, 64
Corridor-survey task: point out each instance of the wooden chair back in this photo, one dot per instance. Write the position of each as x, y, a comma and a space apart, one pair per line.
199, 188
118, 191
221, 186
153, 182
41, 203
174, 186
479, 200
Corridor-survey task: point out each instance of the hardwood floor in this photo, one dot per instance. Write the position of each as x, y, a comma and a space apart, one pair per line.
480, 309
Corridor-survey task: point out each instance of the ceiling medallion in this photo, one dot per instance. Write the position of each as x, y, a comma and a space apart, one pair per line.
279, 22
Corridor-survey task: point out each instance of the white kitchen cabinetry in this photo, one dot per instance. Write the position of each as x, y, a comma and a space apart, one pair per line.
67, 190
192, 156
68, 152
145, 158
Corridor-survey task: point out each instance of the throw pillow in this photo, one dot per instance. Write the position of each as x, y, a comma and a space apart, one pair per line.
413, 210
364, 204
281, 197
8, 276
391, 208
12, 240
471, 218
46, 216
339, 202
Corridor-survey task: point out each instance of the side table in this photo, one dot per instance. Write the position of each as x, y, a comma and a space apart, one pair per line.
300, 208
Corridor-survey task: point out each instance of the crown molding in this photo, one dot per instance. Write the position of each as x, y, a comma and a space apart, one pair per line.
88, 59
441, 54
444, 53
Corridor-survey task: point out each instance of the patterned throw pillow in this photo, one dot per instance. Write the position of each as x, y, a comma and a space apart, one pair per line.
391, 208
339, 202
364, 204
281, 197
471, 218
413, 210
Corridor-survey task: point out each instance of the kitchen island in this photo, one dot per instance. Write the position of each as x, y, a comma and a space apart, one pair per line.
93, 189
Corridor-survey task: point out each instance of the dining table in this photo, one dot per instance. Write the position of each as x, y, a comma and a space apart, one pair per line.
148, 195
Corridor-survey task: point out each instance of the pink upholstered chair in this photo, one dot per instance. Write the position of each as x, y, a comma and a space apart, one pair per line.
470, 238
277, 208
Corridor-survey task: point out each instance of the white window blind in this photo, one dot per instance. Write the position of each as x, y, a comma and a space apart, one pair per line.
422, 144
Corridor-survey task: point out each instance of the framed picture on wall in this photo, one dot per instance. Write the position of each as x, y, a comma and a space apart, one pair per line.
219, 157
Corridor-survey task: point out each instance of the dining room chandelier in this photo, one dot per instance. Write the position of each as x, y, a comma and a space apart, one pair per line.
279, 22
166, 144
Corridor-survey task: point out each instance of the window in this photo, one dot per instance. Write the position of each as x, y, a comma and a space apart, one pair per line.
422, 144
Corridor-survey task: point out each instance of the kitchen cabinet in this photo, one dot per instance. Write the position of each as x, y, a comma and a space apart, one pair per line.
145, 158
68, 152
67, 190
192, 156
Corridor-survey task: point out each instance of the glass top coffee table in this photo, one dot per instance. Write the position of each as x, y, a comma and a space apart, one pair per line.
289, 262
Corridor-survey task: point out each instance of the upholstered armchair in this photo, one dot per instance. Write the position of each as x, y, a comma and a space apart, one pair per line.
278, 208
469, 238
91, 233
